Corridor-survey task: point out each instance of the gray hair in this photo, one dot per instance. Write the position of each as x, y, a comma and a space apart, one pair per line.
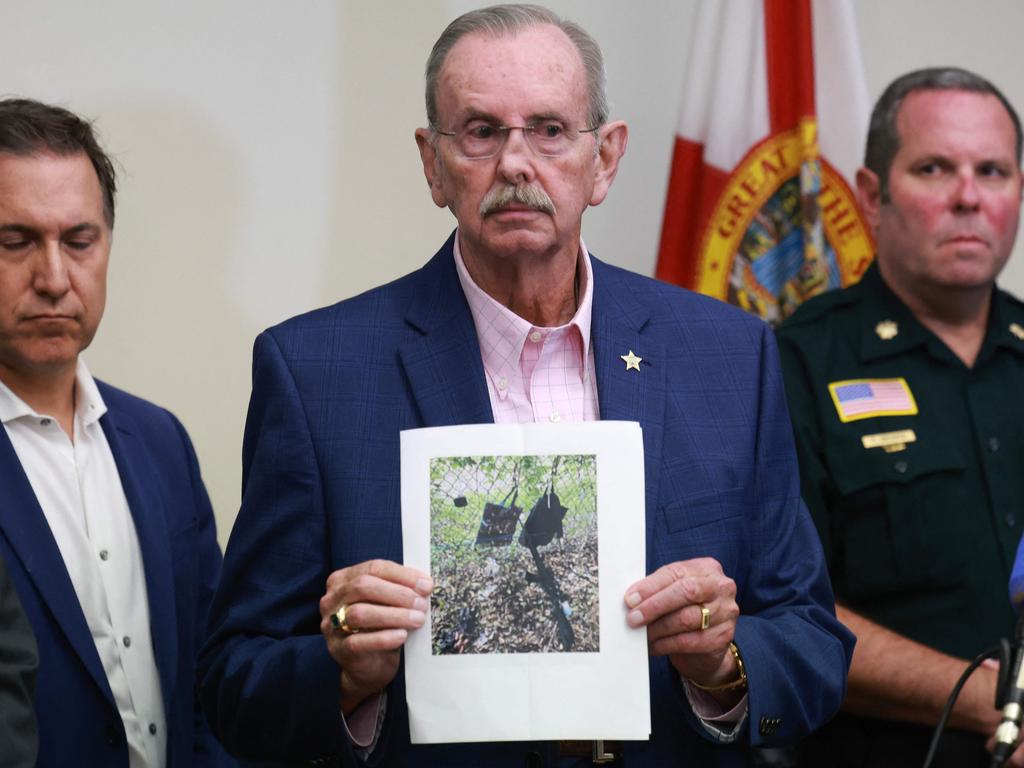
501, 20
884, 138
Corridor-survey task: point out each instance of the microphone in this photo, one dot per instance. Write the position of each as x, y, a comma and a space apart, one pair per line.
1010, 695
1010, 692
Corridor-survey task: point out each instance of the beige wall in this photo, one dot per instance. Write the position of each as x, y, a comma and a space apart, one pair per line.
268, 164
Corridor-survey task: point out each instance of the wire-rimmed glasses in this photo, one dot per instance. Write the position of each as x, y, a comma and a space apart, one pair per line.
480, 139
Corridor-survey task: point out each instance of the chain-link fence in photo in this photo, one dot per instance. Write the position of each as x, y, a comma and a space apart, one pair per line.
513, 554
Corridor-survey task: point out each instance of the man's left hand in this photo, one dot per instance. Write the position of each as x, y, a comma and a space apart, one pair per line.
669, 602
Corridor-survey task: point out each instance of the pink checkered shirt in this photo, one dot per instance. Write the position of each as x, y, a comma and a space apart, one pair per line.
534, 373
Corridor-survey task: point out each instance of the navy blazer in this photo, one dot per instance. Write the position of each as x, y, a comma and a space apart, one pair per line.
78, 720
332, 389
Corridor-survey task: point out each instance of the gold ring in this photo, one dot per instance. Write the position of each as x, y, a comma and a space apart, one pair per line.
705, 617
339, 620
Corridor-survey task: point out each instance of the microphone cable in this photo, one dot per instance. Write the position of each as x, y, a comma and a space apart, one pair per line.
948, 709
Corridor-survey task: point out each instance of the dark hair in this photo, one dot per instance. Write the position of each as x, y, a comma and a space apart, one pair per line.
30, 127
499, 20
884, 138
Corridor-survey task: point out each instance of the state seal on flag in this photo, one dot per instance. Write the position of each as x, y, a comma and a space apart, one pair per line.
785, 227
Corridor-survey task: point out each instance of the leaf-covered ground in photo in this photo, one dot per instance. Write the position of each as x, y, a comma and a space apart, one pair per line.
487, 596
489, 604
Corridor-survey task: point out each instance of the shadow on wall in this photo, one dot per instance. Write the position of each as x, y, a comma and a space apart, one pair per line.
389, 228
173, 331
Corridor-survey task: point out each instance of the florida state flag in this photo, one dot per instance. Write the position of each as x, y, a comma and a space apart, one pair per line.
760, 209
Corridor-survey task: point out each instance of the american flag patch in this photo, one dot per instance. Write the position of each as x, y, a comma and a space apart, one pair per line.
864, 398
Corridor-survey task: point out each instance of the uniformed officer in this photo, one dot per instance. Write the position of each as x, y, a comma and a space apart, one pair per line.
907, 398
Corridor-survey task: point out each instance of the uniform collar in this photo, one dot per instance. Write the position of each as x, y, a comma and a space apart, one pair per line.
887, 326
883, 313
1005, 325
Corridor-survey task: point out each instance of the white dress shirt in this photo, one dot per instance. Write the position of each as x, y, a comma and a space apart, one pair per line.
77, 484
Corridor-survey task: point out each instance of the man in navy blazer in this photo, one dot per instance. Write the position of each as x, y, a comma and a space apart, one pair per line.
307, 627
105, 525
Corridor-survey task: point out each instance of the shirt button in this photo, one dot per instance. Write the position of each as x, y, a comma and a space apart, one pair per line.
152, 728
1010, 520
555, 416
502, 383
127, 641
535, 336
45, 422
900, 466
104, 554
993, 444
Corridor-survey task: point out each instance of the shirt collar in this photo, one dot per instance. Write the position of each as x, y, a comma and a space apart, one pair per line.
1005, 325
499, 362
888, 326
89, 405
881, 306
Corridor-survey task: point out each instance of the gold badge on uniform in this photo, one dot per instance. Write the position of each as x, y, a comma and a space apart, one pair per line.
886, 330
1017, 330
890, 442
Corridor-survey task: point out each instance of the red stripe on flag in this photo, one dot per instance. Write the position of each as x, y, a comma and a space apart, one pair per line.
790, 62
693, 189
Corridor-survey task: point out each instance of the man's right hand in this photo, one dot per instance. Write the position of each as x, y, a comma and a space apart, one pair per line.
383, 601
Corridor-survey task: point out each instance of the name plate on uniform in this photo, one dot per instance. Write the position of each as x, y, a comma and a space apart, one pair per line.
890, 442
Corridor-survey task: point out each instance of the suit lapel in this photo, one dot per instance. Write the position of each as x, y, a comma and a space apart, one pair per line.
141, 485
620, 326
445, 370
24, 524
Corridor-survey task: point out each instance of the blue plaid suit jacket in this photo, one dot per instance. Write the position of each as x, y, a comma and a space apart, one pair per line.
332, 389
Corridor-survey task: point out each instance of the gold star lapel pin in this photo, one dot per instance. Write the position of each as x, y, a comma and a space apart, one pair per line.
1017, 330
632, 361
887, 330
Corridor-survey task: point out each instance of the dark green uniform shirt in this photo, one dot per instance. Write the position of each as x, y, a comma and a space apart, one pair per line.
919, 494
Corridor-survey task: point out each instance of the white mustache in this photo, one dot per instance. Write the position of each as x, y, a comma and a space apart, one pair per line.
524, 194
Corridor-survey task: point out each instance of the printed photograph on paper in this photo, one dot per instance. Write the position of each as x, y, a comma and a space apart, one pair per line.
513, 554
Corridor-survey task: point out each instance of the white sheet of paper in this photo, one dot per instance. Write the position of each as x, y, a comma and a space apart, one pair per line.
473, 681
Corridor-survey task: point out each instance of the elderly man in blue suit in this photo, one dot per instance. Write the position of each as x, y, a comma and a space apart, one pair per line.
512, 321
104, 522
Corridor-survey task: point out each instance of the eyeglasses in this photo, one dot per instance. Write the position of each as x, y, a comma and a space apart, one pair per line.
480, 140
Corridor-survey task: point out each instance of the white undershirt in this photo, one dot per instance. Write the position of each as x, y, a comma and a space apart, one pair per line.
79, 489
